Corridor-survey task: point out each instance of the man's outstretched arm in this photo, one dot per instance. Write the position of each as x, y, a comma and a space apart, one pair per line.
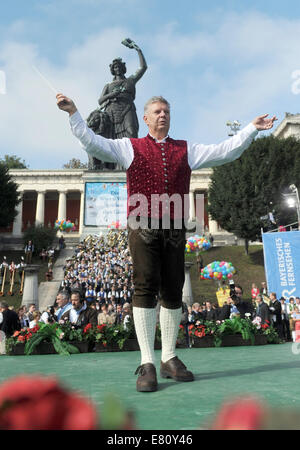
204, 156
108, 150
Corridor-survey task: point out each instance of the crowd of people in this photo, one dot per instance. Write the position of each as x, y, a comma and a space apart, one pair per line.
97, 288
270, 310
102, 270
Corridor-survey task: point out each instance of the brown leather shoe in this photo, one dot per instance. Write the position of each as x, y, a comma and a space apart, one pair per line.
147, 380
174, 368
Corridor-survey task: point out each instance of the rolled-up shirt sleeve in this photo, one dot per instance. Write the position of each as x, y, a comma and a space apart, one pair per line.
108, 150
204, 156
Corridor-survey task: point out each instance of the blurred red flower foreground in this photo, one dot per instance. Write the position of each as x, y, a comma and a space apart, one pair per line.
246, 413
41, 403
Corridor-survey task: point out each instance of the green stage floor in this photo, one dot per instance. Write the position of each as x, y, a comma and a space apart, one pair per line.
269, 371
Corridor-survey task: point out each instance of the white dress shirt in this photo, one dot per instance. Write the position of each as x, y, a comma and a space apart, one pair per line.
199, 155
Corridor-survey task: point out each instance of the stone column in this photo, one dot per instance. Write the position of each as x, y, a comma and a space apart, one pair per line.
192, 206
81, 215
187, 293
31, 285
40, 208
17, 226
62, 205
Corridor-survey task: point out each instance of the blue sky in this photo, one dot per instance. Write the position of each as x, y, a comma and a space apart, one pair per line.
214, 61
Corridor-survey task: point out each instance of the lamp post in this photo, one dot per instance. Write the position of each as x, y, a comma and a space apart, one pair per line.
294, 202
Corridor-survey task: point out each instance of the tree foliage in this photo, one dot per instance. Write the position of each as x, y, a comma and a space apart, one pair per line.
75, 163
9, 197
249, 188
41, 236
13, 162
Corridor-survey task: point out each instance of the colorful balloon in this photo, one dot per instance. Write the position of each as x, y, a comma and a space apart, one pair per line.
218, 270
196, 243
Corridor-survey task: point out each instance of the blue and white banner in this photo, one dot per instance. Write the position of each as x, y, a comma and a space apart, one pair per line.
282, 263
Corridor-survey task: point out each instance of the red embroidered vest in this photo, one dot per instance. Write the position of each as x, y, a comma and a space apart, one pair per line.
156, 169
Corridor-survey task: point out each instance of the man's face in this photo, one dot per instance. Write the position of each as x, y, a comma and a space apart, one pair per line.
76, 302
157, 118
238, 292
61, 301
32, 308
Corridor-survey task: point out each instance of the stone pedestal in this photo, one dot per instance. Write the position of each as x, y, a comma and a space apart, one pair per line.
187, 294
31, 285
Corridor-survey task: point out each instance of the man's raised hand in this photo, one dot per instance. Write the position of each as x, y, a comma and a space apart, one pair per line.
262, 123
65, 104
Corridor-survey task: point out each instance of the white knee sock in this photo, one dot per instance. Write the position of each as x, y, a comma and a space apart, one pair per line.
145, 325
169, 325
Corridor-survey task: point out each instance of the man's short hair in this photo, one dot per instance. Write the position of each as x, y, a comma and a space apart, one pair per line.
3, 304
77, 292
155, 99
65, 295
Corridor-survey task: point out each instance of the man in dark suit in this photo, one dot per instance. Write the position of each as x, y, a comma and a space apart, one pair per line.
262, 310
10, 322
210, 313
275, 312
242, 305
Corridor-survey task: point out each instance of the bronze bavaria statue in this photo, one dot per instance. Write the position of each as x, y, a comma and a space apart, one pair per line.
116, 116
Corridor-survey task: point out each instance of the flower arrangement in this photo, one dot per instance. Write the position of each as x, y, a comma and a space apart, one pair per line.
110, 334
32, 337
206, 328
236, 325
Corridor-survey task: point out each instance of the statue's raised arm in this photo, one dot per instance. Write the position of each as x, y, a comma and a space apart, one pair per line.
143, 65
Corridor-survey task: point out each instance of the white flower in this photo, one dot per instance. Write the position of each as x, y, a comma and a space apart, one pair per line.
61, 335
247, 314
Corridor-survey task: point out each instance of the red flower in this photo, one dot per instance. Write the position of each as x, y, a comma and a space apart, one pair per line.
21, 338
240, 414
181, 326
200, 333
35, 329
87, 327
101, 327
16, 333
47, 406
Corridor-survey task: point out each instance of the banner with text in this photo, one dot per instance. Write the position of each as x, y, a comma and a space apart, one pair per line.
105, 204
282, 263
